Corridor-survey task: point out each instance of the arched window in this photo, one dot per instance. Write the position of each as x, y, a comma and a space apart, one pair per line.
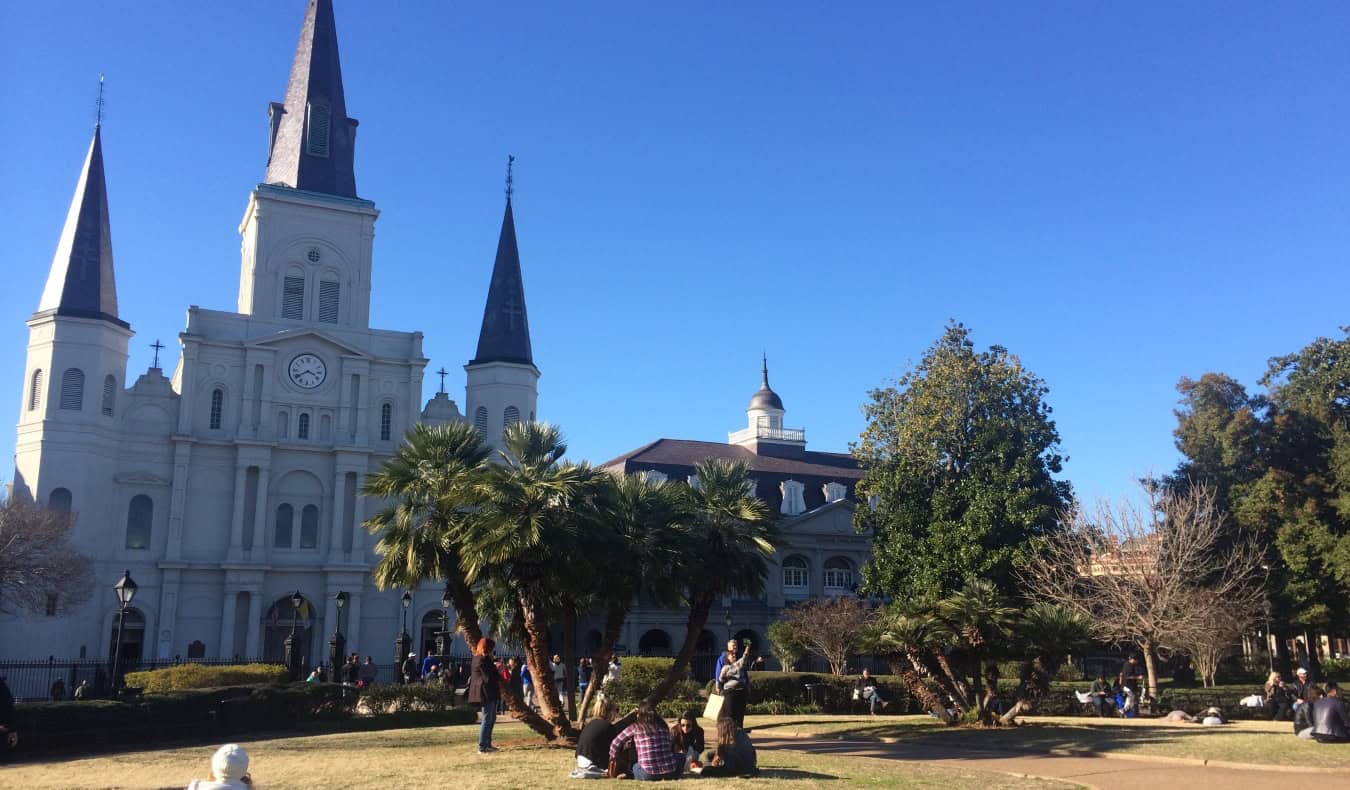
302, 426
285, 517
59, 500
217, 407
796, 576
140, 514
480, 420
329, 289
293, 296
72, 389
109, 394
283, 424
838, 575
35, 391
325, 427
386, 421
510, 417
309, 527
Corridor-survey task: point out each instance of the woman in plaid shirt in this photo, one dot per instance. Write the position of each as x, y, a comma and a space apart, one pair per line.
655, 758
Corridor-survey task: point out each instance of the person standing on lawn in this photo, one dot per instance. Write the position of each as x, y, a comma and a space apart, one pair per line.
485, 690
733, 681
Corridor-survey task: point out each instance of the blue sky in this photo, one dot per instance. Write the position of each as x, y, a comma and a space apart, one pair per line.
1122, 194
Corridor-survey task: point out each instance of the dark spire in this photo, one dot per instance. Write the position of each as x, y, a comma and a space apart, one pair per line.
505, 336
313, 141
81, 281
765, 397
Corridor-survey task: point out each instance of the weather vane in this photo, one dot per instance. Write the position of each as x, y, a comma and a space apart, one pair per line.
441, 373
156, 346
98, 105
510, 164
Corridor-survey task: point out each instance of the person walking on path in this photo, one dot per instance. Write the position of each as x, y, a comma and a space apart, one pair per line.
485, 690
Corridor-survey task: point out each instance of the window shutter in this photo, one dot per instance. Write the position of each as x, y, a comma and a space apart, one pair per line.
72, 389
386, 421
109, 392
480, 420
320, 127
328, 301
293, 298
511, 416
35, 393
217, 406
302, 427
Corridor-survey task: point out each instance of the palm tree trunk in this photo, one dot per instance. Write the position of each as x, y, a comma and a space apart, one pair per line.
920, 690
536, 655
698, 617
614, 618
960, 691
466, 608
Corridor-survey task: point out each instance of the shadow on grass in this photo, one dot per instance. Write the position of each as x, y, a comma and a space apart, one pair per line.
790, 773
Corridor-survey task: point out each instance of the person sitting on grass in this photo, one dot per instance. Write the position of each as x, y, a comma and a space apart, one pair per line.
1303, 714
229, 770
593, 743
686, 738
1330, 723
655, 758
734, 755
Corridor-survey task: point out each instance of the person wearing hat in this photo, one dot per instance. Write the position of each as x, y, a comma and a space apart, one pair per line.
1299, 688
229, 770
410, 669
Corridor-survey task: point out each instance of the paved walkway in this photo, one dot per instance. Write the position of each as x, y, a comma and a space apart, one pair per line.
1096, 772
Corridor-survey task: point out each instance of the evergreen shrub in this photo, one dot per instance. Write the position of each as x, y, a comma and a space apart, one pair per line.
200, 676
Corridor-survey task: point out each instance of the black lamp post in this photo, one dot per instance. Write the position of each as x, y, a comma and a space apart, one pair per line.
292, 655
1270, 642
727, 620
126, 590
403, 645
337, 645
443, 637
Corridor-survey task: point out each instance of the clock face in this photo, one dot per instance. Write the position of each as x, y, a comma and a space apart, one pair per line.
308, 371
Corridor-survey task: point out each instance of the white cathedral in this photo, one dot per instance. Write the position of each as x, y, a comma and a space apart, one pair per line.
235, 482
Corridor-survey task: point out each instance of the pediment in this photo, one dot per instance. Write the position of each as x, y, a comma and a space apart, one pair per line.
290, 336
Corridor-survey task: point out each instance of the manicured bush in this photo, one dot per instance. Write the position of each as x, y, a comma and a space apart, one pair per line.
826, 693
201, 676
393, 698
638, 677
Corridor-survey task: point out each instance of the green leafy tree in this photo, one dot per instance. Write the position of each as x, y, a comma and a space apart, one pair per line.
727, 540
960, 456
786, 643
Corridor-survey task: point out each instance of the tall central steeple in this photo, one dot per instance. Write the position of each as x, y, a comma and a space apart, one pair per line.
505, 334
313, 141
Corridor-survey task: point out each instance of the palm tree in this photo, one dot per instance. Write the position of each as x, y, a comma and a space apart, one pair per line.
433, 486
1048, 634
527, 535
907, 636
726, 543
636, 523
981, 618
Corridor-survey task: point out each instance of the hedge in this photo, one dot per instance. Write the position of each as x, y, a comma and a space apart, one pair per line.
788, 692
638, 677
200, 676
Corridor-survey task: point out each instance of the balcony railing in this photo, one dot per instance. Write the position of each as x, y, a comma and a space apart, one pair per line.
765, 432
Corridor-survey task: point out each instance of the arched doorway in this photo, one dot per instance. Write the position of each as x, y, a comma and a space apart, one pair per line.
431, 625
133, 638
654, 643
278, 625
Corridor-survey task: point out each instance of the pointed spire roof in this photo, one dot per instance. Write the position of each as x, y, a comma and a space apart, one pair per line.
313, 140
505, 336
765, 397
81, 281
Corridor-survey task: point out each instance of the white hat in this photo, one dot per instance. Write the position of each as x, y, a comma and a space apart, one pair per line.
412, 655
1300, 671
229, 762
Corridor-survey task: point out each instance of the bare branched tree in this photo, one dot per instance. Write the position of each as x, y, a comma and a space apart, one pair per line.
38, 561
1154, 575
1208, 643
832, 628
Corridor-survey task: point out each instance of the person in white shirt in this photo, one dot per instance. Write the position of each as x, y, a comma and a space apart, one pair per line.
229, 770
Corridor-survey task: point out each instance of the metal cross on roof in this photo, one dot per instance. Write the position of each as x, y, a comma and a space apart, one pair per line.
513, 311
441, 373
98, 105
156, 346
510, 179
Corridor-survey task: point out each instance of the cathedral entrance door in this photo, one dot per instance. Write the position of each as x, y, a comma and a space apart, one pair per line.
277, 626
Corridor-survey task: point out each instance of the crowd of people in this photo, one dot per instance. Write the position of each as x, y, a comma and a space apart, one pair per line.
1318, 712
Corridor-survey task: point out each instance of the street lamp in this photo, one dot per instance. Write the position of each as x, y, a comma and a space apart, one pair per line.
126, 590
727, 620
337, 645
403, 644
1265, 592
292, 655
443, 638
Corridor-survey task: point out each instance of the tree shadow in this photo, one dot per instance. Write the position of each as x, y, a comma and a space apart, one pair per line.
790, 773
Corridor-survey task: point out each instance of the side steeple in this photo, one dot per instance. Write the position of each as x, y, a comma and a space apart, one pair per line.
505, 335
313, 142
81, 281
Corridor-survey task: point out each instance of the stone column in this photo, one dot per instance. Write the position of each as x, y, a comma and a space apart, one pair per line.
182, 456
339, 514
254, 630
353, 632
262, 547
227, 623
237, 516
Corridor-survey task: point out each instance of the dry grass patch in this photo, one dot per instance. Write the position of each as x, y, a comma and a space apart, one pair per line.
447, 757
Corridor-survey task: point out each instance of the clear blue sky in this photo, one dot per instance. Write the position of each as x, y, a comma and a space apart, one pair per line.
1122, 194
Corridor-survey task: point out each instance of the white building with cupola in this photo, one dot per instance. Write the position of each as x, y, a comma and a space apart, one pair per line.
232, 480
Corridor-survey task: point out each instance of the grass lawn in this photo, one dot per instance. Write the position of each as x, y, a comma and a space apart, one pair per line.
447, 757
1255, 742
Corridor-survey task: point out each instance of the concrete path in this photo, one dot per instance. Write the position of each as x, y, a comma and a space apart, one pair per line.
1095, 772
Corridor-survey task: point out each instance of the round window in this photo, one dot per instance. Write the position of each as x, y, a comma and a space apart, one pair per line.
314, 255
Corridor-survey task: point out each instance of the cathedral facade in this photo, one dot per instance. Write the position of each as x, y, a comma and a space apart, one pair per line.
233, 482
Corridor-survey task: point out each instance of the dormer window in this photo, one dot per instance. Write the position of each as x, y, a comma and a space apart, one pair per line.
794, 504
320, 125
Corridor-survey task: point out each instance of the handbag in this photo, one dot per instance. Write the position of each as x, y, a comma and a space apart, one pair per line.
713, 710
